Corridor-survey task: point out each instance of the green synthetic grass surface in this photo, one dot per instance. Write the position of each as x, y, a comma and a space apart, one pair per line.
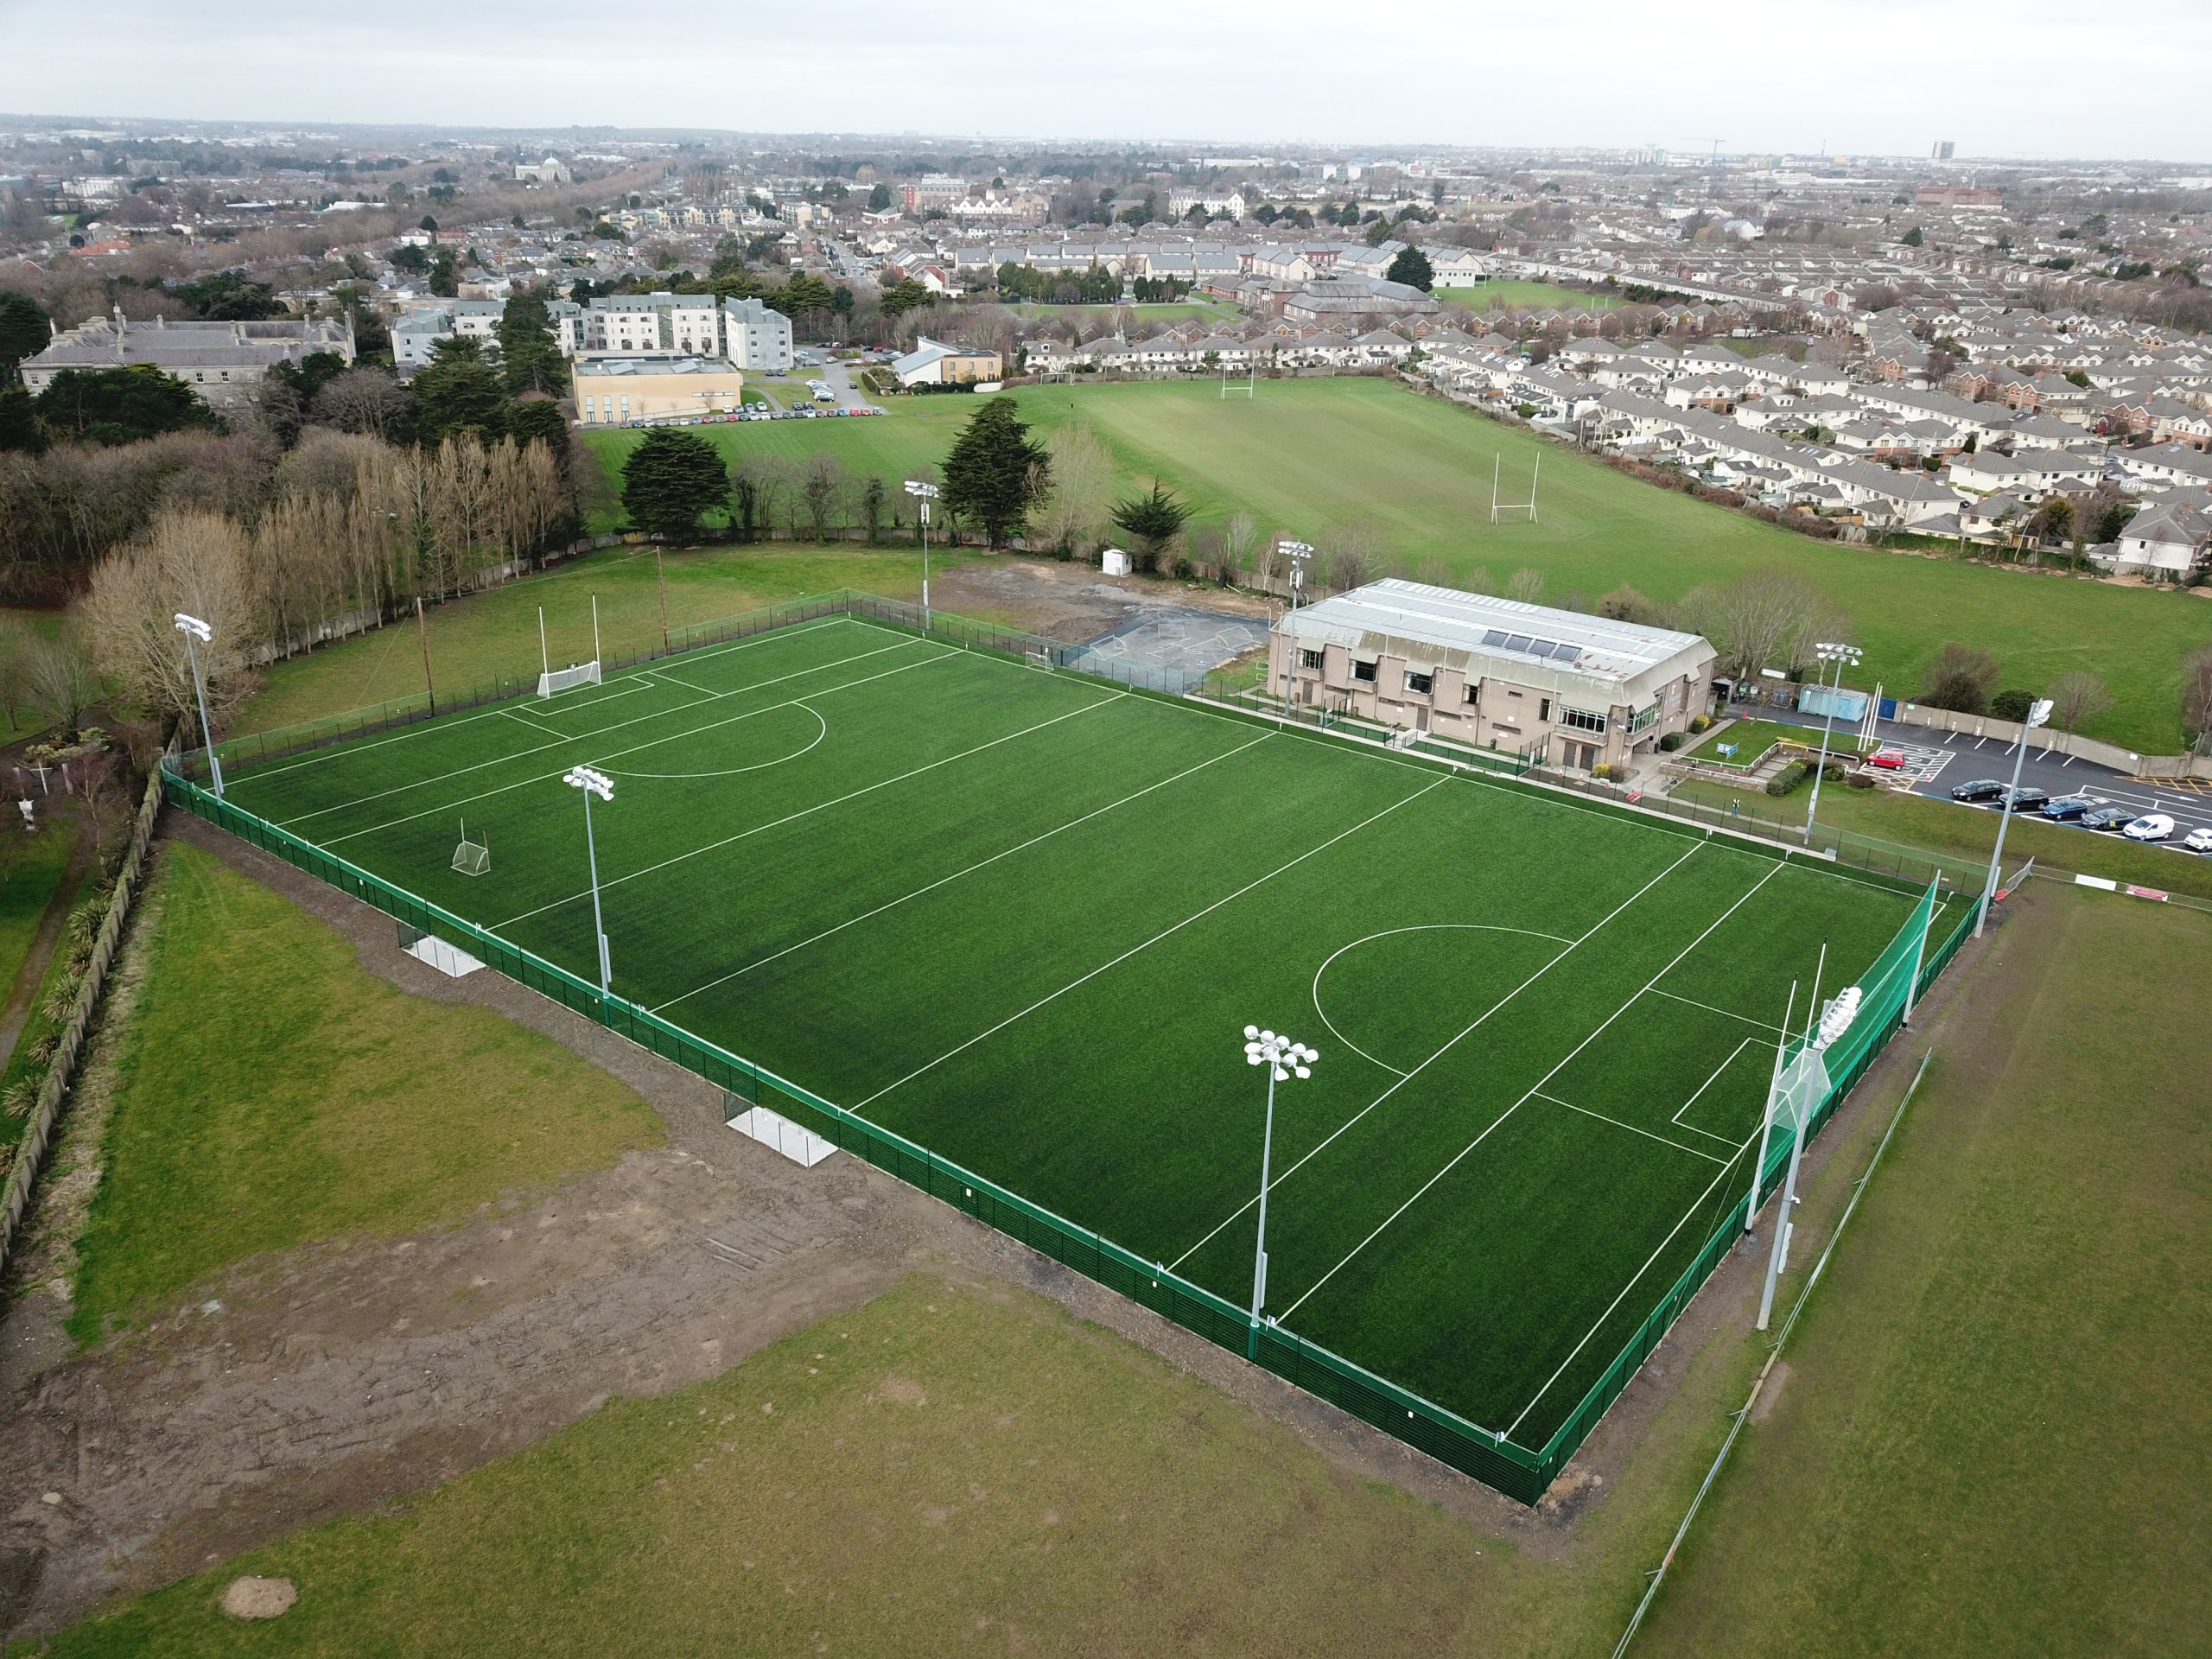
1306, 457
1021, 918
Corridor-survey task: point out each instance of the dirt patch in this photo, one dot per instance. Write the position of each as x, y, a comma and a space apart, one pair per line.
1073, 601
250, 1597
900, 1392
1771, 1392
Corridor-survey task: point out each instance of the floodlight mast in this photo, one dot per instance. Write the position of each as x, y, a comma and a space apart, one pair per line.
1298, 554
1823, 1027
1284, 1060
194, 629
591, 783
1839, 655
2037, 713
925, 494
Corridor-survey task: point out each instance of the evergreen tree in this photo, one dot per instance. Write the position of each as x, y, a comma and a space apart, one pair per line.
459, 391
24, 332
529, 357
112, 406
995, 474
670, 479
1153, 522
1411, 268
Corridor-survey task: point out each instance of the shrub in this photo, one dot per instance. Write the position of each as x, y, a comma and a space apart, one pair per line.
1670, 742
1860, 780
1701, 722
1788, 779
1959, 679
2012, 704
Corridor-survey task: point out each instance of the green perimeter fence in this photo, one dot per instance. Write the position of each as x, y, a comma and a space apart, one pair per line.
1907, 967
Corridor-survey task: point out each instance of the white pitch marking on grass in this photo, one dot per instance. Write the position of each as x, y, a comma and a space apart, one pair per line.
635, 749
1764, 1025
665, 678
1633, 1280
971, 870
450, 721
1387, 932
1525, 1099
1647, 1133
1677, 1118
822, 731
819, 806
600, 731
1147, 944
1345, 1128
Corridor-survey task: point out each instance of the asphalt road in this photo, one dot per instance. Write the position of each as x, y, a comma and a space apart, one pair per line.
1942, 761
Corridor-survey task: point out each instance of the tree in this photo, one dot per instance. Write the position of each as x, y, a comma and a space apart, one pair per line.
114, 406
670, 479
1411, 268
1526, 585
366, 400
1082, 473
903, 295
1912, 239
872, 497
1239, 537
24, 330
1960, 679
995, 474
540, 420
59, 680
529, 357
1769, 618
458, 391
879, 198
2076, 695
191, 561
1153, 522
2197, 699
822, 490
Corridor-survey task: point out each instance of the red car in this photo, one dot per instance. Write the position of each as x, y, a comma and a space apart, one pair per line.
1887, 759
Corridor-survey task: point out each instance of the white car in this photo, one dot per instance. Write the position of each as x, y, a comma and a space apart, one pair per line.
2199, 841
2151, 826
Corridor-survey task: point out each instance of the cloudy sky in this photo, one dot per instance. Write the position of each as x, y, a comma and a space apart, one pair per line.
2051, 78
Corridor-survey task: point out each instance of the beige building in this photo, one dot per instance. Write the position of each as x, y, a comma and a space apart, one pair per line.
625, 390
1570, 690
934, 362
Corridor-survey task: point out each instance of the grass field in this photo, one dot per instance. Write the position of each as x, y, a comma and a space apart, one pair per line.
1021, 918
1992, 1433
1749, 740
274, 1092
1502, 296
1306, 457
1089, 317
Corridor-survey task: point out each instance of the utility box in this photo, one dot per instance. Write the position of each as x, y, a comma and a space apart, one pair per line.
1115, 562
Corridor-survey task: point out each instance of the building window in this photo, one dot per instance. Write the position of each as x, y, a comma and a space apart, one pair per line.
1582, 720
1420, 684
1364, 672
1544, 708
1643, 720
1309, 659
1474, 691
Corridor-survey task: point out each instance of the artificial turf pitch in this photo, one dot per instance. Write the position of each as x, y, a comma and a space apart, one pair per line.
1022, 918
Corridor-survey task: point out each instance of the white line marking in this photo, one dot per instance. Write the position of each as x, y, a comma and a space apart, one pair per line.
1631, 1128
1677, 1118
1541, 1081
819, 806
1710, 1009
1164, 933
1419, 927
635, 749
822, 730
1627, 1288
957, 874
1343, 1127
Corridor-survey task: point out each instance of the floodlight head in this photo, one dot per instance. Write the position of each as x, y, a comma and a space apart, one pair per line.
915, 487
598, 783
1297, 552
196, 628
2039, 712
1251, 1031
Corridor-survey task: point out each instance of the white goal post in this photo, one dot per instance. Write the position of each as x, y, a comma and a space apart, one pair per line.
562, 679
472, 857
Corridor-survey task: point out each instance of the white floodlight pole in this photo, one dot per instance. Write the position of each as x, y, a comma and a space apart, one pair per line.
1284, 1060
1839, 655
925, 494
2037, 713
1298, 553
194, 630
594, 783
1766, 1118
1780, 1256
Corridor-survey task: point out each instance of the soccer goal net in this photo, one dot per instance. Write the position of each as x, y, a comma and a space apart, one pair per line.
563, 679
472, 857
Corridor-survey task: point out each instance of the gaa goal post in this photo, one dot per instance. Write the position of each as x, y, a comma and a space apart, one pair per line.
472, 857
550, 680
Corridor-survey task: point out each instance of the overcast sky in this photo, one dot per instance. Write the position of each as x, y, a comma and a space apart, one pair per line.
2034, 77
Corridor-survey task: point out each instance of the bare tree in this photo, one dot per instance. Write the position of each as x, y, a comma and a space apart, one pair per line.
822, 490
2197, 699
194, 562
2076, 695
1769, 619
367, 401
1526, 585
1238, 539
1081, 481
59, 679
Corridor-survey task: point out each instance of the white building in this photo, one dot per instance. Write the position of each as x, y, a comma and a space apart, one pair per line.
684, 325
755, 337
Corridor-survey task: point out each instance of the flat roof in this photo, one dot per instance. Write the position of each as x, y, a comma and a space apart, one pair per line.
651, 365
1419, 615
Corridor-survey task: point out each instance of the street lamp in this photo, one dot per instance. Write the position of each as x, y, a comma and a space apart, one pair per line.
194, 630
1839, 655
1795, 1084
1284, 1060
594, 783
1298, 553
2038, 715
925, 494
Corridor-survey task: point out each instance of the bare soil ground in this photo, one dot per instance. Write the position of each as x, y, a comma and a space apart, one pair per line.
1071, 600
327, 1380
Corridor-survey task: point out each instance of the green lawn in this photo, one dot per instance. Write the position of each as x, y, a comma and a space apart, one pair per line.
1010, 915
1993, 1431
1101, 317
1748, 740
1499, 294
36, 870
1304, 457
485, 636
18, 724
274, 1092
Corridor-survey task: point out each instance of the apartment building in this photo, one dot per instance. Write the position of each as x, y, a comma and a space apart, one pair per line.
755, 337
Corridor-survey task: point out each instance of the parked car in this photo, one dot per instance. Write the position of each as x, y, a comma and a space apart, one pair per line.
2106, 817
2198, 839
2028, 800
2151, 826
2066, 808
1981, 789
1886, 759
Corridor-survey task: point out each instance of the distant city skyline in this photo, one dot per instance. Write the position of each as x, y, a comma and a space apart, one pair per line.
1825, 77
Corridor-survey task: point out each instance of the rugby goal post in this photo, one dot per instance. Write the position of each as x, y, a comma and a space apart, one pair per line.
552, 680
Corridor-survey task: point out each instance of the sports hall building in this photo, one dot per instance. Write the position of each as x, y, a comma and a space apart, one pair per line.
1568, 690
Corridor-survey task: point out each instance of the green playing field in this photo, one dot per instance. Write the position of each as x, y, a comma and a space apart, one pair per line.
1022, 918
